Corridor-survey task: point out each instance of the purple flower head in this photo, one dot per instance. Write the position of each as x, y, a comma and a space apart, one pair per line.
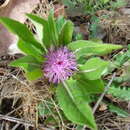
60, 64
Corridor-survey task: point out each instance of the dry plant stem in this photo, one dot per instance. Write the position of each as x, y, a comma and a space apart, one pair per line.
51, 112
20, 81
7, 126
36, 122
14, 110
2, 125
18, 121
103, 94
26, 127
15, 127
58, 112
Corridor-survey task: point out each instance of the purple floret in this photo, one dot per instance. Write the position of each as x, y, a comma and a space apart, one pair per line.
60, 64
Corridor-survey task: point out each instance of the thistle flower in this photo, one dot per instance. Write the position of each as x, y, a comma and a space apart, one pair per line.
60, 64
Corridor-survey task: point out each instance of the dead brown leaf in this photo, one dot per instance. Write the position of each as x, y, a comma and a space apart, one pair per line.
15, 9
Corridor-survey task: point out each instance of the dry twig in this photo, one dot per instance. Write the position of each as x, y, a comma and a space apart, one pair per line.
103, 94
19, 121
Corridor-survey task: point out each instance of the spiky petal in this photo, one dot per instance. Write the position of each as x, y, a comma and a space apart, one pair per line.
60, 64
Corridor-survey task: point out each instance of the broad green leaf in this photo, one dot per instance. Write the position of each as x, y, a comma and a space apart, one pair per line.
30, 66
88, 48
24, 60
49, 29
94, 68
21, 30
23, 66
120, 112
41, 25
37, 19
52, 29
27, 63
29, 49
91, 86
34, 74
66, 33
59, 23
74, 104
47, 39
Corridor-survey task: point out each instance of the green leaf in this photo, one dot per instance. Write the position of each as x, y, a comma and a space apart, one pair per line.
59, 23
120, 112
34, 74
52, 28
37, 19
94, 68
24, 60
122, 57
21, 30
50, 34
46, 38
90, 86
38, 23
29, 49
121, 93
74, 104
41, 25
66, 33
30, 65
89, 48
25, 66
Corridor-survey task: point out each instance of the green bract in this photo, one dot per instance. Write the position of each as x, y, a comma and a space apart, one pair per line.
74, 94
